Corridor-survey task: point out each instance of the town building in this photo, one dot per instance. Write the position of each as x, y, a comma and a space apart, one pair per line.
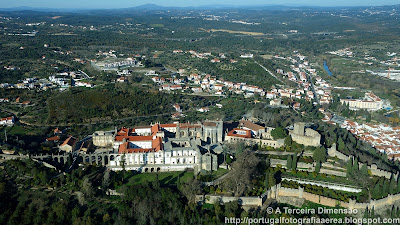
68, 144
8, 121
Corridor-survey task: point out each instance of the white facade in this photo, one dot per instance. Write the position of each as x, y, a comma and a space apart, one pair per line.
169, 160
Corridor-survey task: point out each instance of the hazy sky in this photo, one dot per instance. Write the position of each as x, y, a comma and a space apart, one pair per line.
130, 3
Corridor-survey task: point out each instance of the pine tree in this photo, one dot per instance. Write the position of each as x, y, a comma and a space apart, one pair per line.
393, 212
340, 144
289, 162
366, 213
268, 163
398, 184
376, 192
318, 167
364, 169
266, 181
392, 185
385, 188
373, 212
271, 179
320, 154
349, 167
355, 165
294, 162
288, 142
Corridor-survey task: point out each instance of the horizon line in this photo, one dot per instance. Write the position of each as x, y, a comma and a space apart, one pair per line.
200, 6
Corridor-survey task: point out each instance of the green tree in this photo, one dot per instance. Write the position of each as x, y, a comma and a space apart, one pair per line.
289, 162
278, 133
392, 185
75, 213
376, 192
398, 184
271, 179
341, 145
364, 169
355, 165
385, 188
320, 154
294, 162
288, 141
266, 180
318, 166
368, 119
349, 167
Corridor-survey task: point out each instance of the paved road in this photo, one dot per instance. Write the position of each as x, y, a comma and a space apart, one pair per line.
84, 74
312, 87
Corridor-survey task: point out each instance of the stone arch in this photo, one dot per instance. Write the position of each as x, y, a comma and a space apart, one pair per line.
146, 170
104, 160
61, 160
191, 133
152, 170
158, 169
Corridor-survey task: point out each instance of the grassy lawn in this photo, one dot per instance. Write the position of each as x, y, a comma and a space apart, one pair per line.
164, 177
22, 130
220, 172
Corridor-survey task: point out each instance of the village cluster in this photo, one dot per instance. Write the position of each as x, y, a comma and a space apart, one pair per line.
301, 73
60, 80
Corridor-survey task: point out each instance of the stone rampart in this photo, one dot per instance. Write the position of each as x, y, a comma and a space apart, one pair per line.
220, 199
279, 192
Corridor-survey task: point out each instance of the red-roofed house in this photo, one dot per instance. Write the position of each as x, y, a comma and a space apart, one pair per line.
68, 144
55, 139
8, 121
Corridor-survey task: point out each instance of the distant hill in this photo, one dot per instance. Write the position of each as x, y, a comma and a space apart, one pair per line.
149, 7
154, 7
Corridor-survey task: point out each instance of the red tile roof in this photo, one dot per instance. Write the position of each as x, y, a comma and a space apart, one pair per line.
55, 138
168, 125
235, 133
69, 141
156, 146
250, 125
155, 128
134, 138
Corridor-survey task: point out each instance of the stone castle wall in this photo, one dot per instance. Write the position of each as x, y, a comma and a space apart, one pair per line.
278, 192
375, 171
307, 137
220, 199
